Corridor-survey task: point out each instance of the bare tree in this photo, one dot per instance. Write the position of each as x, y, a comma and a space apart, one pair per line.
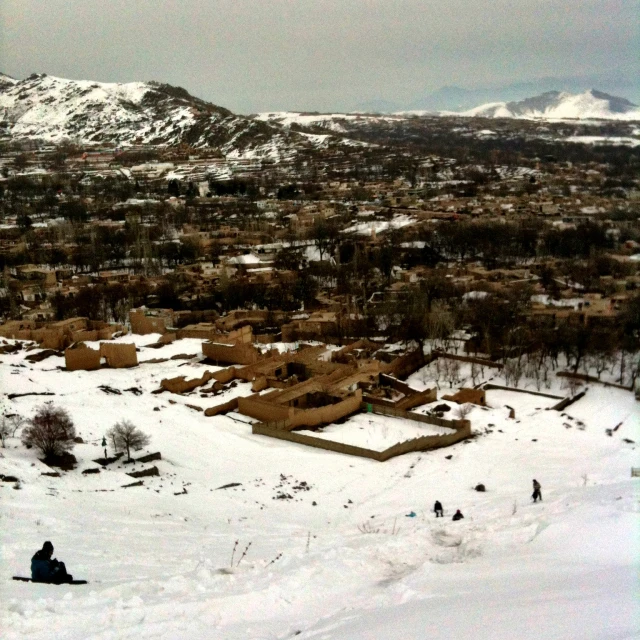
572, 384
463, 410
451, 371
475, 373
15, 421
4, 429
513, 371
125, 435
438, 371
51, 431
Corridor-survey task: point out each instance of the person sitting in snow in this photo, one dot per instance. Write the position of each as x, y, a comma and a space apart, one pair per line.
537, 494
457, 515
437, 508
47, 569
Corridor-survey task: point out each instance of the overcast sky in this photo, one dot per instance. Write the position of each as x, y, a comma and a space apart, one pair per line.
257, 55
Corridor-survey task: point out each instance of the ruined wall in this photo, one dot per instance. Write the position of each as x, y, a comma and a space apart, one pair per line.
346, 355
225, 375
404, 366
84, 335
481, 361
417, 398
70, 325
422, 444
260, 384
142, 324
254, 407
586, 378
327, 414
231, 354
458, 425
221, 408
417, 444
200, 331
233, 319
81, 358
243, 335
13, 328
182, 385
106, 333
59, 335
289, 332
119, 355
51, 338
311, 441
464, 396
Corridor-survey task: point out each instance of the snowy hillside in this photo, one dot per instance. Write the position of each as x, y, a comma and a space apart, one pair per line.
592, 105
342, 548
55, 109
6, 80
334, 122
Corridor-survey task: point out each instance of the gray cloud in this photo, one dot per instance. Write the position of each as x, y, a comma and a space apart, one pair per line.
251, 55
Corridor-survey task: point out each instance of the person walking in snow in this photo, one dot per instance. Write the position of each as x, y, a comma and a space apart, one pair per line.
457, 515
537, 494
437, 508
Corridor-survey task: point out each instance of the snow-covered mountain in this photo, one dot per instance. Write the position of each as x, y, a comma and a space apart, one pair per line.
592, 105
6, 81
332, 122
56, 109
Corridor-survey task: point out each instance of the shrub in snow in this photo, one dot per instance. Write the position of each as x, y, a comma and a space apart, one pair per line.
51, 431
125, 435
464, 410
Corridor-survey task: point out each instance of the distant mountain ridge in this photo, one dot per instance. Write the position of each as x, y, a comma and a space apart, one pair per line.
55, 109
591, 104
623, 80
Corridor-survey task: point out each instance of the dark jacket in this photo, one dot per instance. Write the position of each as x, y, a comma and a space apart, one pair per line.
457, 516
43, 569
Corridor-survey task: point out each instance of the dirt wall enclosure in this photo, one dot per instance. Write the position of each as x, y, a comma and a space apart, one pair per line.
424, 443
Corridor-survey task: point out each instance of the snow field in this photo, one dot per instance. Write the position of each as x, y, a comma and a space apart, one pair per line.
354, 565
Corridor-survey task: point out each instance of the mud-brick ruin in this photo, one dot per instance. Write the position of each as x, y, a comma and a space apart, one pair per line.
116, 355
292, 394
301, 390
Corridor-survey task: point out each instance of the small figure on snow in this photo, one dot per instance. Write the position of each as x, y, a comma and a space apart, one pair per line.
457, 515
437, 508
537, 494
47, 569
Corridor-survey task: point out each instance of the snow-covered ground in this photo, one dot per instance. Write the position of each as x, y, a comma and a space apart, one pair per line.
379, 226
613, 140
334, 553
376, 432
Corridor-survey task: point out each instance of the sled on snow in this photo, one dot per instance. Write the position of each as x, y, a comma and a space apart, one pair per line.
23, 579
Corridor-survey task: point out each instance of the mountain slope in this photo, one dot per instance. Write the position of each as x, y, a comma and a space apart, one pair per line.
56, 109
6, 81
556, 104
